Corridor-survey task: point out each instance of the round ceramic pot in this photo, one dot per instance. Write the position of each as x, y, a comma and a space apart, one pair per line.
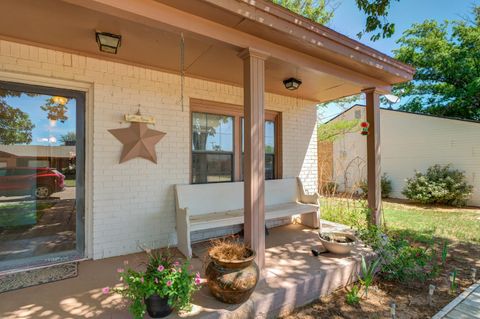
232, 281
336, 247
158, 307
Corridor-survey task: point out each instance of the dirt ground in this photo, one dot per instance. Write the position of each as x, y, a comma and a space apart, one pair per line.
411, 299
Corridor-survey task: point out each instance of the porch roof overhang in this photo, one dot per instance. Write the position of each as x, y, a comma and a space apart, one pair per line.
329, 64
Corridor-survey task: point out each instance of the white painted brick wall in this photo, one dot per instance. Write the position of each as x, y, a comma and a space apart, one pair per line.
133, 202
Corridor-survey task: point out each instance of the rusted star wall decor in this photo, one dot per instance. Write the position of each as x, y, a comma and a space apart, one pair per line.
138, 141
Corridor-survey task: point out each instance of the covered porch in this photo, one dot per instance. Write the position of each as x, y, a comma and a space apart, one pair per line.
293, 277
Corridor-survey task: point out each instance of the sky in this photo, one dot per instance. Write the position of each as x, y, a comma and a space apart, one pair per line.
348, 20
45, 132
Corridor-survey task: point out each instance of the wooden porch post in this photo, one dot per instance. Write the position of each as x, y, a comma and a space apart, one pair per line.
254, 157
374, 172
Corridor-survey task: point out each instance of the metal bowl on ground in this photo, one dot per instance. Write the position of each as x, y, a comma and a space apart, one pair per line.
337, 242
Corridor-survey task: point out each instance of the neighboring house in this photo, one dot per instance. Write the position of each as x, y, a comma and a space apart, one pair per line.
409, 142
36, 156
235, 56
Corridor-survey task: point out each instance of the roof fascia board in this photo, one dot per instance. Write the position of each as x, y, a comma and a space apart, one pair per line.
156, 14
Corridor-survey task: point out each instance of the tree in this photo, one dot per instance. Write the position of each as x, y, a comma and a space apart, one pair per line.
331, 131
69, 138
322, 11
15, 125
447, 58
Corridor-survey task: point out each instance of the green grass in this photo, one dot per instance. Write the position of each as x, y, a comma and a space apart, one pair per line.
421, 223
69, 183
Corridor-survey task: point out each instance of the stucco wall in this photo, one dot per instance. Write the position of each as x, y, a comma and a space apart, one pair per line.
412, 142
132, 203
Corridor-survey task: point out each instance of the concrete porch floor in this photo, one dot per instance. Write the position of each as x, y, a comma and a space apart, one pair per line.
293, 278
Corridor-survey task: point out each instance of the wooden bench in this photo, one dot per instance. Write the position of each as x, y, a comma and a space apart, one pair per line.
207, 206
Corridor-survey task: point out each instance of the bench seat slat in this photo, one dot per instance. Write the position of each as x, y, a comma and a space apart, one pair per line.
235, 217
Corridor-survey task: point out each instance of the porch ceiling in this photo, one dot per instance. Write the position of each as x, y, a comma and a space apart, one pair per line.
71, 27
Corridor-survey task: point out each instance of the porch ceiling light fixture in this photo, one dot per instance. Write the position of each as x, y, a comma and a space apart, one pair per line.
108, 42
292, 84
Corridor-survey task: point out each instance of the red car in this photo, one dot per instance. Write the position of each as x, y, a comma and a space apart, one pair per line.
40, 182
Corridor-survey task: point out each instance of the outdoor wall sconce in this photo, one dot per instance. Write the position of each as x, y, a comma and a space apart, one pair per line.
108, 42
292, 84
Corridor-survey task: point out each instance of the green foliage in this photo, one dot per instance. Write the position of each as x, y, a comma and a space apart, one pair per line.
404, 262
56, 109
334, 130
444, 253
453, 282
68, 137
353, 296
164, 277
329, 188
447, 59
377, 12
368, 274
385, 184
318, 11
346, 212
439, 185
15, 125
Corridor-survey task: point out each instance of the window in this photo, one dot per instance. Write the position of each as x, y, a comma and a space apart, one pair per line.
212, 148
217, 142
269, 131
42, 179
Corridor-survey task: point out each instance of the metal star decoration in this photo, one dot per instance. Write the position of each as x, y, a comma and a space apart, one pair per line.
138, 141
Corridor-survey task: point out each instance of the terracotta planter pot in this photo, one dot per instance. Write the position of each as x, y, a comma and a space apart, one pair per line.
157, 307
232, 281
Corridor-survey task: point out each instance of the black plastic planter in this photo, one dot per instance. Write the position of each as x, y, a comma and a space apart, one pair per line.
157, 307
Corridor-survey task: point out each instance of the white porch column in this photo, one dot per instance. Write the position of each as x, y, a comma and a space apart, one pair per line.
372, 97
254, 148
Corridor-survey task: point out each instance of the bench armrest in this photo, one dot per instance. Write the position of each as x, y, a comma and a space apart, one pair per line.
311, 199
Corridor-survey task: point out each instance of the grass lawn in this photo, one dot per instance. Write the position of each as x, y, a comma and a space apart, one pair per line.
418, 222
69, 183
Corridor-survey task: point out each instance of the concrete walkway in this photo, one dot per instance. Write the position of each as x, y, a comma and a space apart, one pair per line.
465, 306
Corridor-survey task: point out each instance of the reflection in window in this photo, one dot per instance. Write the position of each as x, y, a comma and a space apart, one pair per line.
37, 173
212, 148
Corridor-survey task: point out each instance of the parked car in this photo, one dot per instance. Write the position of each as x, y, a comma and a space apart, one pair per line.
39, 182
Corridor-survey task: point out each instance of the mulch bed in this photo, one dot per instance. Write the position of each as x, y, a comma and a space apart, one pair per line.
411, 299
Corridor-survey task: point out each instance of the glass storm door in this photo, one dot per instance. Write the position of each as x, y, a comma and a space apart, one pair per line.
41, 175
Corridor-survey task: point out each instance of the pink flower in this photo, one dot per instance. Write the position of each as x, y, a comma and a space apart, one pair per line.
174, 270
179, 269
197, 281
160, 268
190, 267
169, 283
197, 275
106, 290
142, 280
176, 264
120, 270
156, 280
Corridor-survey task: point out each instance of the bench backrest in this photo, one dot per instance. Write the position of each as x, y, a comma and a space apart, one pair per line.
202, 199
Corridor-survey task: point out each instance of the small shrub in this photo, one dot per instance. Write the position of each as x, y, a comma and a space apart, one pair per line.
439, 185
352, 297
403, 262
385, 184
368, 274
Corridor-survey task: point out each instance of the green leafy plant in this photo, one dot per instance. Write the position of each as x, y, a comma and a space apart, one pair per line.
164, 276
453, 282
368, 274
385, 184
353, 295
444, 253
439, 185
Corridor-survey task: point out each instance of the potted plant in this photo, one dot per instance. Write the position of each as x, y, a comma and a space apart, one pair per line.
164, 285
232, 273
337, 242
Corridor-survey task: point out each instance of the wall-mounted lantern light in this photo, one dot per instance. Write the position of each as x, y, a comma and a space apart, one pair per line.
108, 42
292, 84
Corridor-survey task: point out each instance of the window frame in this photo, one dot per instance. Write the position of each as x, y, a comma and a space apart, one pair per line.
236, 111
